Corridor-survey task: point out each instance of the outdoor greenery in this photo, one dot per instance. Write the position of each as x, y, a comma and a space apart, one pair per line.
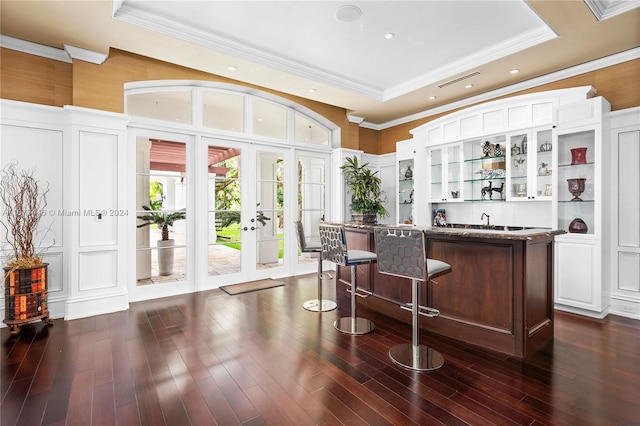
156, 216
365, 188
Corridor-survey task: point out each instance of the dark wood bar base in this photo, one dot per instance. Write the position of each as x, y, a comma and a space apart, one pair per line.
499, 294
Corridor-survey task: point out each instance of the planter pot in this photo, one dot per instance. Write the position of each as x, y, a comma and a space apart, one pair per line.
165, 257
364, 218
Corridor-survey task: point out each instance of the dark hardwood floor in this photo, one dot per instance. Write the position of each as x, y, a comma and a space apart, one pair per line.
260, 358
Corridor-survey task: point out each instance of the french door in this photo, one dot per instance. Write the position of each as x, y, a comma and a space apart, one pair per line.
246, 199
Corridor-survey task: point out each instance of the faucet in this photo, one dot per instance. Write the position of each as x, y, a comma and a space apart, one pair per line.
482, 217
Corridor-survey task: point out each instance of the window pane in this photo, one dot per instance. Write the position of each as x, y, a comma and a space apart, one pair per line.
225, 213
308, 131
172, 105
311, 199
223, 111
269, 120
161, 201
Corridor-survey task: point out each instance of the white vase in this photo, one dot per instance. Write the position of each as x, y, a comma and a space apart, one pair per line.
165, 257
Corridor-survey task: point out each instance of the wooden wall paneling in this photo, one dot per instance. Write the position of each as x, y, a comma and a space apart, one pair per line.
30, 78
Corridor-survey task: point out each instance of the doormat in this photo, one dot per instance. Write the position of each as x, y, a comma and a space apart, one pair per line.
251, 286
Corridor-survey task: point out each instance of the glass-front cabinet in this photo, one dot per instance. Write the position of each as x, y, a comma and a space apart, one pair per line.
581, 192
445, 168
529, 171
576, 182
485, 169
405, 183
405, 191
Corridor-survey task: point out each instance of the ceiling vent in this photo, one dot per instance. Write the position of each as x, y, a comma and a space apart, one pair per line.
456, 80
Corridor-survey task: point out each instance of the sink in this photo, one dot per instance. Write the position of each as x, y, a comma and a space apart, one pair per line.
490, 227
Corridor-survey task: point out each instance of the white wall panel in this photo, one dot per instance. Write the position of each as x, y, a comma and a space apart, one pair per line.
98, 188
628, 271
451, 130
517, 116
55, 282
493, 120
98, 270
628, 192
471, 125
541, 112
39, 150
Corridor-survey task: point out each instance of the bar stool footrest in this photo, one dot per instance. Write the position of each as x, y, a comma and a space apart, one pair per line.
422, 310
326, 276
360, 292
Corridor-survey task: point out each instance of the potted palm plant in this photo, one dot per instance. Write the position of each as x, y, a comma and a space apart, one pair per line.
163, 220
367, 198
24, 199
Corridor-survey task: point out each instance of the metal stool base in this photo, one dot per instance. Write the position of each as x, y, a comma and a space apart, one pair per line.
350, 325
419, 358
316, 305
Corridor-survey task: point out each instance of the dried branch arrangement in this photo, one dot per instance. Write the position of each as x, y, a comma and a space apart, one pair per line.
24, 199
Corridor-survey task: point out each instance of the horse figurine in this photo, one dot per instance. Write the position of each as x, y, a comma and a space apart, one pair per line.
496, 189
487, 190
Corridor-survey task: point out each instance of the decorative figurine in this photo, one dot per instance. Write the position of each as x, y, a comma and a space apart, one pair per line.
486, 149
498, 190
515, 150
497, 150
486, 190
409, 173
542, 170
524, 145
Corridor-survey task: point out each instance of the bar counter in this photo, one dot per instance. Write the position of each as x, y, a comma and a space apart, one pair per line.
499, 294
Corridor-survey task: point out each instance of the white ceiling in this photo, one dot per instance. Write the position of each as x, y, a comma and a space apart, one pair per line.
294, 46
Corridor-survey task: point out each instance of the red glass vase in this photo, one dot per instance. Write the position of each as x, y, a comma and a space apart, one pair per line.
578, 226
578, 156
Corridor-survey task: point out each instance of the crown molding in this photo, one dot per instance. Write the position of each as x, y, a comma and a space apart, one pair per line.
605, 9
597, 64
126, 12
34, 49
85, 55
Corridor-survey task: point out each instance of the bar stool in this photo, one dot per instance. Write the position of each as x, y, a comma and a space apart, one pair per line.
334, 249
319, 304
401, 253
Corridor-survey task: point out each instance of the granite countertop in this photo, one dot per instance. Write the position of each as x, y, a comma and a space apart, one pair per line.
476, 231
503, 234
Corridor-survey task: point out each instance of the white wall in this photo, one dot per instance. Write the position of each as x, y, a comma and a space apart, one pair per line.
80, 154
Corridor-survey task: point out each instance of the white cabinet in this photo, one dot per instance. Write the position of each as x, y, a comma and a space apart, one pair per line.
578, 200
445, 173
405, 188
484, 169
529, 165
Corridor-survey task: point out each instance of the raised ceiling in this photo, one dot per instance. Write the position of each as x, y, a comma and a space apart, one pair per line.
339, 49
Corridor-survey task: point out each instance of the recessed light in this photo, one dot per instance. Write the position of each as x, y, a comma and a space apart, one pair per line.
389, 35
468, 86
311, 90
514, 71
431, 98
231, 68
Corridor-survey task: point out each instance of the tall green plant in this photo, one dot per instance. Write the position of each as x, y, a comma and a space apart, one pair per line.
161, 218
364, 185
